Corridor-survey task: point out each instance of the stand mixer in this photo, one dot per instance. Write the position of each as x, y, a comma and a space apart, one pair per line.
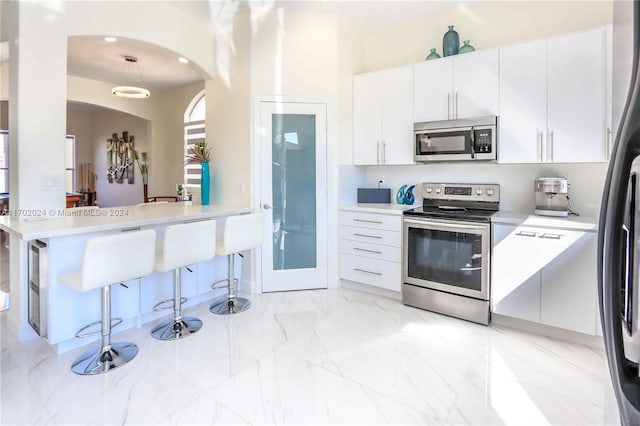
552, 197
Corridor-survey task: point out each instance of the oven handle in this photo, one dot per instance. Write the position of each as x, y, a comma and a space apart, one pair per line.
455, 225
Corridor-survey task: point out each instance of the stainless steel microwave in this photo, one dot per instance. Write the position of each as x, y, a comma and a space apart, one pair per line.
456, 140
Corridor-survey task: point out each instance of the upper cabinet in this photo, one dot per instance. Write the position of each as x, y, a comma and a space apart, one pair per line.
553, 100
460, 86
383, 117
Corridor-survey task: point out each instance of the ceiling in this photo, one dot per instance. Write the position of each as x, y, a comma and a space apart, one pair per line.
158, 68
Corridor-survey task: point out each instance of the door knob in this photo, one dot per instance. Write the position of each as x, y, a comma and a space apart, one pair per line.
266, 206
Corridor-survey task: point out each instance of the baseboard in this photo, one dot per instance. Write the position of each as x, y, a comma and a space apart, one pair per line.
547, 330
396, 295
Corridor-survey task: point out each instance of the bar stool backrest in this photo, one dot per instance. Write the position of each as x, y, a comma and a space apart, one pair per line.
242, 232
187, 243
116, 258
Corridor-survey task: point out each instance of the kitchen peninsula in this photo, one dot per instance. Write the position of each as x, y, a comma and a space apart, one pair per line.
58, 238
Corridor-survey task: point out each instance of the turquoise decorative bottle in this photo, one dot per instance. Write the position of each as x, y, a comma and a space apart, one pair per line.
205, 181
432, 55
450, 42
466, 47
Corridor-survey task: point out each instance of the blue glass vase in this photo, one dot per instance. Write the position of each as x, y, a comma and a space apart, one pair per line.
205, 182
450, 42
432, 55
466, 47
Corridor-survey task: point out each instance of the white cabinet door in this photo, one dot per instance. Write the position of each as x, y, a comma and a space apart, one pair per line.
476, 81
523, 103
515, 276
397, 116
577, 97
432, 90
569, 286
379, 273
367, 118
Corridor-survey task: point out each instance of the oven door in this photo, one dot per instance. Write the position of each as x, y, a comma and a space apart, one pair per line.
447, 255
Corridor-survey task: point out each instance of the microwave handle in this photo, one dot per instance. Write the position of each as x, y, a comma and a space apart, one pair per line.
473, 143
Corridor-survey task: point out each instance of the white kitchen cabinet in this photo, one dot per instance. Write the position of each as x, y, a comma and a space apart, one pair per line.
545, 276
553, 104
577, 97
515, 278
383, 117
370, 249
523, 103
460, 86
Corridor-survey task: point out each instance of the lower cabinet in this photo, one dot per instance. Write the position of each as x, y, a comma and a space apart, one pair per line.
370, 249
547, 276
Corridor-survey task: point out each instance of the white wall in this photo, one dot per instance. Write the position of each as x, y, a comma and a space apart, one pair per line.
105, 124
485, 23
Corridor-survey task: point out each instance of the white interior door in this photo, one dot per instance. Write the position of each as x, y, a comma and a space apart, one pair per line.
293, 146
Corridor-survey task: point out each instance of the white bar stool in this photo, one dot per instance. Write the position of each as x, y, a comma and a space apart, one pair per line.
183, 244
242, 232
110, 260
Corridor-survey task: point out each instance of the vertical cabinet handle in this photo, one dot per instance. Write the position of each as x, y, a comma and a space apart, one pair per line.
456, 104
609, 137
551, 150
384, 152
539, 144
378, 152
449, 106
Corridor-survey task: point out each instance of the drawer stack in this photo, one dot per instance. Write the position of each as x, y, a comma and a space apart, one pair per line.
370, 249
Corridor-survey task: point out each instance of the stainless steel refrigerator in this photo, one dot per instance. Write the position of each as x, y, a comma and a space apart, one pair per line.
619, 227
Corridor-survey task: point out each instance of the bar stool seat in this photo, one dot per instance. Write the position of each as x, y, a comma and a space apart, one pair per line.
110, 260
183, 244
242, 232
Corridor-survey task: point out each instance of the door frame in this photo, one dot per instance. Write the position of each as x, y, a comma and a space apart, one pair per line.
256, 195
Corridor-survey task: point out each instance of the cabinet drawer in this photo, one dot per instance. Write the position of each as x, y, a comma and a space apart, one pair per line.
379, 273
374, 251
371, 220
373, 236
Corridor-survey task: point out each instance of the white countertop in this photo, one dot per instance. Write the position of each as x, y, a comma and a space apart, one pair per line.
51, 223
394, 209
578, 223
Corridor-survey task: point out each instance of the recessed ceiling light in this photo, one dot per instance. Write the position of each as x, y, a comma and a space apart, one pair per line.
110, 39
183, 60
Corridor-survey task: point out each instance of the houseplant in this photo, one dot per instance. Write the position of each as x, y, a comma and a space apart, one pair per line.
200, 153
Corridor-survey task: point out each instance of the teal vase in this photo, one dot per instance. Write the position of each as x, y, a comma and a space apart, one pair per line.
466, 47
450, 42
432, 55
205, 182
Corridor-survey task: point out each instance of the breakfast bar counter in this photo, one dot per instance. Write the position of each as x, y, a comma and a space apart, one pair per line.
50, 223
47, 244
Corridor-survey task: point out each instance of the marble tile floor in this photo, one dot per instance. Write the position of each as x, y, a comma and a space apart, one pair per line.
314, 357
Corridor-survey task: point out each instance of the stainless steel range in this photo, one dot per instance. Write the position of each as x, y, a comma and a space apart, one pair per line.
446, 251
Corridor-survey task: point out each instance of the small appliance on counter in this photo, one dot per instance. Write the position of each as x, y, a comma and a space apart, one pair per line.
552, 196
374, 195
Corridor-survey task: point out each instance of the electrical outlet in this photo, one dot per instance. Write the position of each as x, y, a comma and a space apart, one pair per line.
380, 180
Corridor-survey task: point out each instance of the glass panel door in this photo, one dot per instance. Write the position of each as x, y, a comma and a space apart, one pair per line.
293, 194
293, 152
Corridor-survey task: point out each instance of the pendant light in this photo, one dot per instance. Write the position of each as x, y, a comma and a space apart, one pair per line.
131, 91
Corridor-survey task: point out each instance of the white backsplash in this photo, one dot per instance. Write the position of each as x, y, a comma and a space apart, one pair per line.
516, 181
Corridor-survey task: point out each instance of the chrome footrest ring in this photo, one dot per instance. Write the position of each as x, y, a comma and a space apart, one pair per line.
158, 306
224, 280
114, 323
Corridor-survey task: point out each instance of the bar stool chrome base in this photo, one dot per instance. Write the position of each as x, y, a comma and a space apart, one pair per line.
105, 358
230, 306
176, 329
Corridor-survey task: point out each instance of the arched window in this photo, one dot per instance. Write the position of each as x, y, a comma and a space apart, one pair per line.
194, 132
